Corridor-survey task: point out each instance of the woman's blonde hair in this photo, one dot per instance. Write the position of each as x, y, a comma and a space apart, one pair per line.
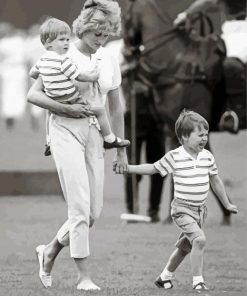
100, 15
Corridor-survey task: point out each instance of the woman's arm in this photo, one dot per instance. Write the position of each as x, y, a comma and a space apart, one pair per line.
37, 97
117, 123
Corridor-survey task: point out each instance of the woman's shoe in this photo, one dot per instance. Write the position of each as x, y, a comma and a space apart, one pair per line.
45, 277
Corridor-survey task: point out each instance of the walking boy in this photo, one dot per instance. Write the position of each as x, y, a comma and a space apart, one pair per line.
58, 72
193, 168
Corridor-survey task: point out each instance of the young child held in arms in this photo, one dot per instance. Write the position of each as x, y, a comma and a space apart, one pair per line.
58, 73
193, 169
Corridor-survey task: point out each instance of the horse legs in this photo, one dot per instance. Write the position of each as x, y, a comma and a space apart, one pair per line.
155, 149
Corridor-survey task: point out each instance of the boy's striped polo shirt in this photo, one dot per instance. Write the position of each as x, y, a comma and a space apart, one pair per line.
191, 176
57, 72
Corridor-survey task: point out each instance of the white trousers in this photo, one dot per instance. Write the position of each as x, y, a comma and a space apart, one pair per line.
77, 149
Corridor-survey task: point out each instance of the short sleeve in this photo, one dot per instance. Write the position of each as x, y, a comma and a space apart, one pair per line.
213, 170
166, 165
69, 69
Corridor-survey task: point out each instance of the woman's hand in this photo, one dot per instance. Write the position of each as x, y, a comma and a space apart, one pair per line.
120, 162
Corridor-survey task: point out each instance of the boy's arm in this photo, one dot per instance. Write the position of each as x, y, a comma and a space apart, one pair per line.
89, 75
142, 169
34, 73
219, 189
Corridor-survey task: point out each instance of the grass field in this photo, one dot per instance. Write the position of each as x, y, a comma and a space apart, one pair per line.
126, 258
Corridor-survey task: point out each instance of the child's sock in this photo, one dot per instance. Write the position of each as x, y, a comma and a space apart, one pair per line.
167, 275
110, 138
197, 279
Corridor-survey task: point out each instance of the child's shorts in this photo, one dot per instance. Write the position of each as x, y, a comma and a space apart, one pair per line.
189, 219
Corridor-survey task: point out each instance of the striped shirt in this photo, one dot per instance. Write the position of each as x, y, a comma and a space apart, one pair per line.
191, 176
57, 72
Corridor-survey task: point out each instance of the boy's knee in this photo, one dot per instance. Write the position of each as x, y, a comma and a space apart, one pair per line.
199, 242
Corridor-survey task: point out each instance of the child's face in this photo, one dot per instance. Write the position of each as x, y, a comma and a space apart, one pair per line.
61, 44
196, 141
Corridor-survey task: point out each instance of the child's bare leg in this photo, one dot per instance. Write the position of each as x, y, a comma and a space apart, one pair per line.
196, 256
174, 261
196, 259
102, 117
84, 280
168, 274
110, 140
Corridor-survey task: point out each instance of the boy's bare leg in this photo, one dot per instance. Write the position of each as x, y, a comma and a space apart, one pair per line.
102, 117
110, 139
196, 257
84, 280
174, 261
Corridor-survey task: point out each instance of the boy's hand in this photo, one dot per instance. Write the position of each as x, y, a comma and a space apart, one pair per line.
93, 74
232, 208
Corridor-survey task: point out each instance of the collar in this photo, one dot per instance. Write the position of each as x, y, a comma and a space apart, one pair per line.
185, 153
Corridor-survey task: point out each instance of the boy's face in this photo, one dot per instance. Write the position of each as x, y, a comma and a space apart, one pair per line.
196, 141
61, 44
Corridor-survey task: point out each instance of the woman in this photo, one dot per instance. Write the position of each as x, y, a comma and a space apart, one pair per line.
76, 142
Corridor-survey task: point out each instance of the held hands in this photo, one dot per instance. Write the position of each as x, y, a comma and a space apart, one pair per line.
232, 208
120, 162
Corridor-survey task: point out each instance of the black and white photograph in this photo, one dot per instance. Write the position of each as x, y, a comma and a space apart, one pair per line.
123, 142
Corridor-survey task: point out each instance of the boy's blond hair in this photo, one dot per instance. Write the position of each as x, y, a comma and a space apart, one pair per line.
186, 123
51, 28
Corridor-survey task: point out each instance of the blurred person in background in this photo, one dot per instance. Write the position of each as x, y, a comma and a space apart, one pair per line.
179, 64
34, 49
233, 83
234, 33
76, 142
13, 74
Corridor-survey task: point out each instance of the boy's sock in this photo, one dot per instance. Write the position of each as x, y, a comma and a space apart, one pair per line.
110, 138
167, 275
197, 279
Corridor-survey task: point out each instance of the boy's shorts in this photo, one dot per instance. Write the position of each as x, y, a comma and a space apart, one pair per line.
189, 219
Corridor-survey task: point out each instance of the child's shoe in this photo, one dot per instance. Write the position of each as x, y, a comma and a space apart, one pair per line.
200, 287
118, 143
166, 284
47, 150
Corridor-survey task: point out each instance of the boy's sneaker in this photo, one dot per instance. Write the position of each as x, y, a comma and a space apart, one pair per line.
47, 150
200, 287
118, 143
166, 284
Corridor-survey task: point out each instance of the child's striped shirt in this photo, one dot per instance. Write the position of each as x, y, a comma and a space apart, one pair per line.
57, 72
191, 176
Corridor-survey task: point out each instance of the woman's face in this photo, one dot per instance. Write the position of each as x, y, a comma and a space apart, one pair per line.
95, 39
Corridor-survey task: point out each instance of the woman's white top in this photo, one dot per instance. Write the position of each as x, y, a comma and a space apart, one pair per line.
110, 74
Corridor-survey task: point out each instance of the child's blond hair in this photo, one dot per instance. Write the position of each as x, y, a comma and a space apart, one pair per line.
186, 123
51, 28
